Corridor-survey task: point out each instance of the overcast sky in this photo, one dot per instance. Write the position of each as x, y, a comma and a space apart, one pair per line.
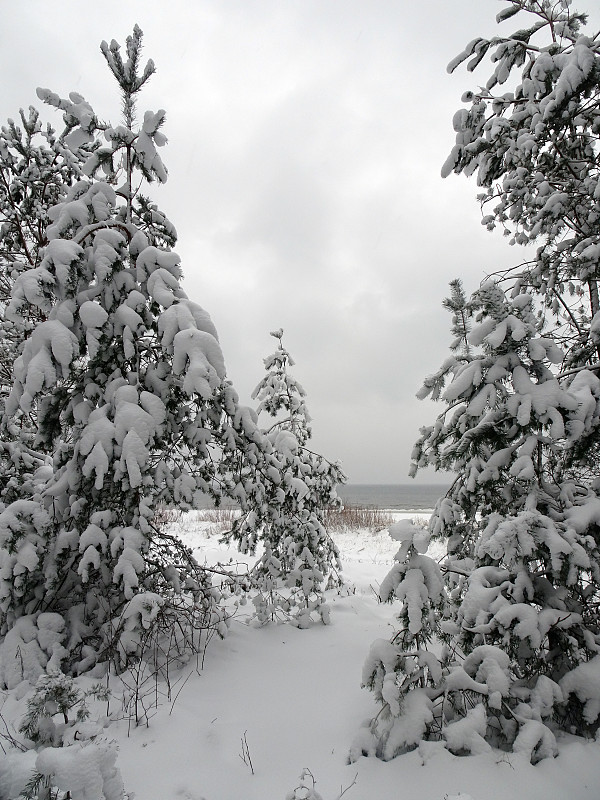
305, 144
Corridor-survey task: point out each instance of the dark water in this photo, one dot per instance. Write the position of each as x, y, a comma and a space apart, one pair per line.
406, 497
410, 497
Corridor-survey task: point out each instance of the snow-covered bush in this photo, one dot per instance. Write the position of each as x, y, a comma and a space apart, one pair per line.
519, 620
404, 674
285, 504
64, 757
306, 789
125, 379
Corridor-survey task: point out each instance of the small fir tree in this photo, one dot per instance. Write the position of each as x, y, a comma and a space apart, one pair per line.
65, 752
405, 674
286, 505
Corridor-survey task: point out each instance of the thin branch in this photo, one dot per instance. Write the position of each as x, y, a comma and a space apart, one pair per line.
343, 792
575, 370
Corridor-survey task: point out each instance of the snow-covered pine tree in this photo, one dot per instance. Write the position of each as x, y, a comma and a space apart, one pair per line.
286, 500
404, 674
521, 623
534, 151
127, 381
36, 170
67, 753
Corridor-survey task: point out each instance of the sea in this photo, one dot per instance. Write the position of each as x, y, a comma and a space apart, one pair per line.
411, 497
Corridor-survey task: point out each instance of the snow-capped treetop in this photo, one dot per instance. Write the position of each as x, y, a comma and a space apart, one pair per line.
280, 391
541, 176
130, 146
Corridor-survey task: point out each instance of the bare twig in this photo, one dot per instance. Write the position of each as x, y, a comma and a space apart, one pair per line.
350, 785
8, 738
179, 692
245, 754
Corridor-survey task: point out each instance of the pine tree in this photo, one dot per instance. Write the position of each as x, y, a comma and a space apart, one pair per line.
126, 381
285, 508
519, 614
534, 151
404, 674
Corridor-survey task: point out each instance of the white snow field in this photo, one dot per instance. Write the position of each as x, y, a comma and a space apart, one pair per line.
273, 701
294, 698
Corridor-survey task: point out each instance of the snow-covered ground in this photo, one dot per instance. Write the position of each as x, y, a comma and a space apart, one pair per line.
272, 701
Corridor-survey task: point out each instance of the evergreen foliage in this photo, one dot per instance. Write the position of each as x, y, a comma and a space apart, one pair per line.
68, 757
518, 608
125, 381
286, 501
36, 170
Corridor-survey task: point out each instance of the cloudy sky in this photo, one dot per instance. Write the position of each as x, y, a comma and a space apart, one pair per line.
305, 144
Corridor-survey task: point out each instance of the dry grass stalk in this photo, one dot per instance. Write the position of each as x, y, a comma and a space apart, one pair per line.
356, 518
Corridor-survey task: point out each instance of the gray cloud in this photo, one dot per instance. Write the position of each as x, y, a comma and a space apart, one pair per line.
305, 146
